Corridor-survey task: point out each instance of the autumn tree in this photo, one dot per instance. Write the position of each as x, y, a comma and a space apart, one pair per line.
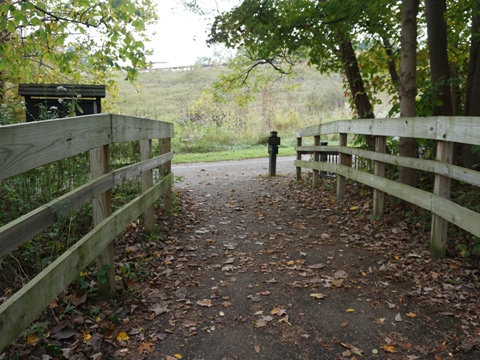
72, 41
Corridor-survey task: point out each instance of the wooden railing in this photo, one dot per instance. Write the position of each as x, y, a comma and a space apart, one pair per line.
444, 130
27, 146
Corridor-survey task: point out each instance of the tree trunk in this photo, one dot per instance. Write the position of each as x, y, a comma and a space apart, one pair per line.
408, 146
437, 51
351, 69
472, 105
392, 68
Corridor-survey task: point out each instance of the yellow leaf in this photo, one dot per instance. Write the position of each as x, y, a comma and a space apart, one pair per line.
32, 339
86, 337
178, 356
396, 257
389, 348
353, 208
122, 336
290, 263
350, 310
318, 296
411, 314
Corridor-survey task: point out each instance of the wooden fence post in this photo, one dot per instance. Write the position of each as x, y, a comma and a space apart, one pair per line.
147, 183
299, 157
379, 196
102, 208
342, 161
438, 236
165, 146
316, 158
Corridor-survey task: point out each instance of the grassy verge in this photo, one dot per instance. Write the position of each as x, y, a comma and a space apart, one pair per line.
250, 153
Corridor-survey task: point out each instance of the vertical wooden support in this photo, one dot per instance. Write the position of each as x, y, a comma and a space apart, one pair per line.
299, 157
316, 158
438, 236
147, 183
102, 208
379, 196
342, 161
165, 146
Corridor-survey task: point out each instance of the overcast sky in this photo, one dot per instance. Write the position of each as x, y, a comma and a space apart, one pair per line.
180, 35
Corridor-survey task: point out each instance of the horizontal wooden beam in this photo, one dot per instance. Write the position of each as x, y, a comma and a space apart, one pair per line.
29, 145
454, 213
462, 129
29, 225
17, 312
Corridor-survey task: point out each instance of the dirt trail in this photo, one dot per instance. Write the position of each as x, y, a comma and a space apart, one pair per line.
260, 275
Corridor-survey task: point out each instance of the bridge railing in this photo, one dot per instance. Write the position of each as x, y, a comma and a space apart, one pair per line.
445, 131
31, 145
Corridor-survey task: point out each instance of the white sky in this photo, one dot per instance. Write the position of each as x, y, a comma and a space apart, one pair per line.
180, 35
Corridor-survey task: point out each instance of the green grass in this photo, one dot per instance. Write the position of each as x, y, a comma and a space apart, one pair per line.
239, 154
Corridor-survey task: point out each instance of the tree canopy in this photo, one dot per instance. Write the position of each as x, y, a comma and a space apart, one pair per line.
72, 41
359, 38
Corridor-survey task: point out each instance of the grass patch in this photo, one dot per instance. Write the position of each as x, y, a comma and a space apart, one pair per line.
225, 155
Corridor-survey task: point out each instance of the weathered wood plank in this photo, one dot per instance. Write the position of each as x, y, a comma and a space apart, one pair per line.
379, 196
463, 129
147, 182
29, 225
165, 147
439, 232
102, 208
453, 171
456, 214
343, 161
23, 307
27, 146
129, 128
316, 157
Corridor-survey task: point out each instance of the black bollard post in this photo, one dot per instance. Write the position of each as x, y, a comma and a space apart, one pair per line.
273, 142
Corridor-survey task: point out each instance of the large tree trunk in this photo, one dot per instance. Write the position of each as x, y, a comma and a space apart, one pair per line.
437, 52
472, 105
408, 146
351, 69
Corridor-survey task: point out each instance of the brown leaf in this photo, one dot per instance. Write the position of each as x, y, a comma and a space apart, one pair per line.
278, 311
145, 346
205, 302
345, 323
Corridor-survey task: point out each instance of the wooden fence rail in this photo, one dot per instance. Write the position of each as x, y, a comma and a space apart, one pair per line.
444, 130
27, 146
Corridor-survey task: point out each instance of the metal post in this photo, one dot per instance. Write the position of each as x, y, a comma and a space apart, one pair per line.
273, 142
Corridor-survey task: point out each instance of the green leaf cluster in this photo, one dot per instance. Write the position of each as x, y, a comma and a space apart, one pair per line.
72, 41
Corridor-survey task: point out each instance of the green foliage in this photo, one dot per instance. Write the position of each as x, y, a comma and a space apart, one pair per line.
467, 250
72, 41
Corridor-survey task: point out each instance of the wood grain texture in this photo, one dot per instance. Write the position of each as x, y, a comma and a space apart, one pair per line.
23, 307
27, 146
29, 225
460, 129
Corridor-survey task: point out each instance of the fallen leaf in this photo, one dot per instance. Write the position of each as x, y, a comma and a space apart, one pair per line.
278, 311
389, 348
340, 274
290, 263
205, 302
345, 323
318, 296
32, 339
350, 310
256, 347
353, 208
398, 317
122, 336
86, 337
411, 314
272, 281
158, 309
178, 356
145, 346
316, 266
